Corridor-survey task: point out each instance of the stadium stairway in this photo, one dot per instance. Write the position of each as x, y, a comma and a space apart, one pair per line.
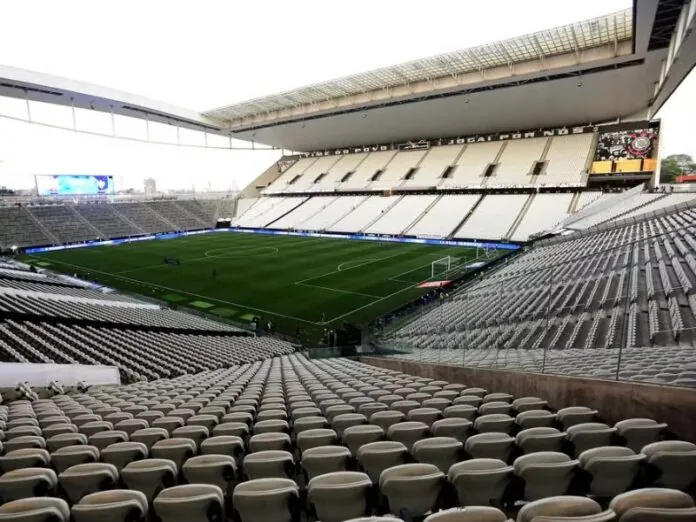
301, 202
127, 220
166, 219
191, 215
340, 217
86, 222
422, 215
633, 209
573, 206
469, 214
385, 211
36, 220
600, 206
520, 216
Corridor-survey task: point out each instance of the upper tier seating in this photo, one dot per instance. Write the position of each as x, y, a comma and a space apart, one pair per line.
339, 170
582, 298
563, 161
248, 441
313, 174
367, 169
472, 164
398, 168
282, 184
517, 161
567, 160
433, 166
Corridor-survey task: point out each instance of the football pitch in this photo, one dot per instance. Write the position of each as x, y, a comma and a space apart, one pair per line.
294, 281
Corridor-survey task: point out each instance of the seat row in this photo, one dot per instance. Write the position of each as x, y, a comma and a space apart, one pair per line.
326, 424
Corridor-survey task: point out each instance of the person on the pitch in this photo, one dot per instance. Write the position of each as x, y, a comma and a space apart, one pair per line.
215, 274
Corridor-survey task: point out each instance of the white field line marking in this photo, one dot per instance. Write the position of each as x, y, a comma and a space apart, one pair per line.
352, 267
338, 290
206, 256
242, 253
373, 302
368, 260
145, 283
410, 287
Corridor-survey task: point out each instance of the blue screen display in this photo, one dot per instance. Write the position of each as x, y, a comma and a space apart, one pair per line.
73, 185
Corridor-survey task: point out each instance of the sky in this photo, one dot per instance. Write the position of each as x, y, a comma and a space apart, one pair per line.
209, 53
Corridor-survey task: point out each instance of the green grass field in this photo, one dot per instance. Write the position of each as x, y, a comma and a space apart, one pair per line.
310, 282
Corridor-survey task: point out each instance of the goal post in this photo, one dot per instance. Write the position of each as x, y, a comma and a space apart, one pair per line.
440, 267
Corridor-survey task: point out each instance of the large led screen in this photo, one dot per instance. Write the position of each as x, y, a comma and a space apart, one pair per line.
74, 185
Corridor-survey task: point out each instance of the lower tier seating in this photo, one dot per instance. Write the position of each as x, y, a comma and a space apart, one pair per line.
335, 440
68, 223
574, 302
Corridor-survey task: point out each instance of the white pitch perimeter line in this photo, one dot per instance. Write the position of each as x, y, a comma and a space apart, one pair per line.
187, 293
410, 287
373, 302
338, 290
352, 267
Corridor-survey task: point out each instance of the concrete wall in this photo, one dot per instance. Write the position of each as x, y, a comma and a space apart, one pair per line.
615, 400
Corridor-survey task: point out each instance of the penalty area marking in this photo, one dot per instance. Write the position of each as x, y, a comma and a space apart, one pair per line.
359, 263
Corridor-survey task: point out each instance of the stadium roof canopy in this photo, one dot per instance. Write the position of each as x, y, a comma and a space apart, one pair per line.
620, 66
540, 46
593, 71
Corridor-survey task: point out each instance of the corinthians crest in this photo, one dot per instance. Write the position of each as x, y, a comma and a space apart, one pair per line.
640, 145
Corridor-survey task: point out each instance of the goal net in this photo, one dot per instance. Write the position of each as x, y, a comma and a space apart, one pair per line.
440, 267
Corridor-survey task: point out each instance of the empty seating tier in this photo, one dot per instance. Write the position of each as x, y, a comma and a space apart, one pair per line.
291, 438
43, 319
577, 305
68, 223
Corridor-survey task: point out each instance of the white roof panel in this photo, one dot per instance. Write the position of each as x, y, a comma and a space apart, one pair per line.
576, 37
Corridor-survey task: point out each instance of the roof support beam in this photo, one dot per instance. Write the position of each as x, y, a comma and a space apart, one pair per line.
540, 53
576, 45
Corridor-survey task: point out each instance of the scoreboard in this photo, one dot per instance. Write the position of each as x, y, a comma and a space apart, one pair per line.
74, 185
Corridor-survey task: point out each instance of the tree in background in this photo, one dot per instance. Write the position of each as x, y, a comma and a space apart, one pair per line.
676, 165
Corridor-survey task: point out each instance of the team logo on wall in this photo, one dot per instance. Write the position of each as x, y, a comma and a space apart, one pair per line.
626, 144
640, 145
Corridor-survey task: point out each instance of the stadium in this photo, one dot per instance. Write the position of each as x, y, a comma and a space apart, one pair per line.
463, 291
